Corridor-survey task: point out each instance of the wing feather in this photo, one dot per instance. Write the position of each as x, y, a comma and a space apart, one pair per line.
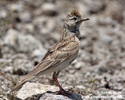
56, 54
59, 55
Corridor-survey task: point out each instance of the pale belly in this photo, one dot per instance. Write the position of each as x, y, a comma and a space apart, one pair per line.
59, 67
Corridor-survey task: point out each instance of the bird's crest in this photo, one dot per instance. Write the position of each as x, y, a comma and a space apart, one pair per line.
73, 13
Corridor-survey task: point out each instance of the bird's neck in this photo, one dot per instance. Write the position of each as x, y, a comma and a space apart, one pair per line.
69, 32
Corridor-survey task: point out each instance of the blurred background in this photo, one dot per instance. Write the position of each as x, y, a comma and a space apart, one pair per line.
29, 27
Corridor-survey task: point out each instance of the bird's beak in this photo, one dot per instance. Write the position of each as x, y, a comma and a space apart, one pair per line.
84, 19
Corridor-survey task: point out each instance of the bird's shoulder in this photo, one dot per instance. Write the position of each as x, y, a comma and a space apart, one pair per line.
63, 46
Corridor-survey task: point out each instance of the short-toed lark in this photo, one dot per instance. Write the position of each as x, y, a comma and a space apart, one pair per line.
61, 54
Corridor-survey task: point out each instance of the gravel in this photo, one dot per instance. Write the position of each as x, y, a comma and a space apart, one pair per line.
34, 26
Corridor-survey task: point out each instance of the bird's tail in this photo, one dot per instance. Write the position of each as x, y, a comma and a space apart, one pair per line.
21, 83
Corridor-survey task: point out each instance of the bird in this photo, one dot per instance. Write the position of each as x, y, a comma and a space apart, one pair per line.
61, 54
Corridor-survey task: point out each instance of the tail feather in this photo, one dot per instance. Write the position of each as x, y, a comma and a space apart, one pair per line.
21, 83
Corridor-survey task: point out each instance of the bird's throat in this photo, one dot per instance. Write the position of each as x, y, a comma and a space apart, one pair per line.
70, 31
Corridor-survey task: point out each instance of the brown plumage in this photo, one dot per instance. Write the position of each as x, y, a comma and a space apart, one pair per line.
73, 13
61, 54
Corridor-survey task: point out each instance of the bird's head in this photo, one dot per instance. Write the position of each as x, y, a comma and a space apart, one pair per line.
74, 19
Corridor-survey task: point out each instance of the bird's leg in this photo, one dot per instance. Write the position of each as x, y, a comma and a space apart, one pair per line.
61, 91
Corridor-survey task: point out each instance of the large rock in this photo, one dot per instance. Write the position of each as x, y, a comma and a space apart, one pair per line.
21, 42
48, 96
28, 43
40, 90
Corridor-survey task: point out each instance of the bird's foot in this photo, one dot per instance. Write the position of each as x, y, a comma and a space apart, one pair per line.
63, 92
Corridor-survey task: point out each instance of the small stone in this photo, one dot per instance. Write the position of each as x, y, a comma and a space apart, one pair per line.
28, 43
80, 87
48, 26
11, 37
78, 65
27, 27
123, 64
8, 69
103, 69
22, 66
39, 20
82, 8
44, 24
123, 92
3, 13
71, 71
105, 38
95, 7
117, 86
25, 16
39, 54
49, 9
111, 12
56, 36
16, 6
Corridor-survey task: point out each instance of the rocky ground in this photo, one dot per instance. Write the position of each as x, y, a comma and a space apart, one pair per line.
32, 26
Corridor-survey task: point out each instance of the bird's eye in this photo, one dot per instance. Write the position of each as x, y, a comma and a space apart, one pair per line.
74, 18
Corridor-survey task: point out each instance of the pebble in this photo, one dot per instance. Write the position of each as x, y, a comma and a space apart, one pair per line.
104, 37
11, 37
78, 65
49, 9
80, 87
39, 54
44, 24
22, 66
28, 43
3, 13
27, 27
48, 26
25, 16
16, 6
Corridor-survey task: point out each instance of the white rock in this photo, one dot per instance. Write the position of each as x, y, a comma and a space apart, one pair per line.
25, 16
39, 54
49, 9
80, 87
48, 96
27, 27
30, 89
105, 38
28, 43
16, 6
39, 20
3, 13
78, 65
48, 26
22, 66
82, 8
44, 24
11, 37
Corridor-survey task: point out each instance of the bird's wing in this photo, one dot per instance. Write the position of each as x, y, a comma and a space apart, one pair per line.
60, 53
56, 54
